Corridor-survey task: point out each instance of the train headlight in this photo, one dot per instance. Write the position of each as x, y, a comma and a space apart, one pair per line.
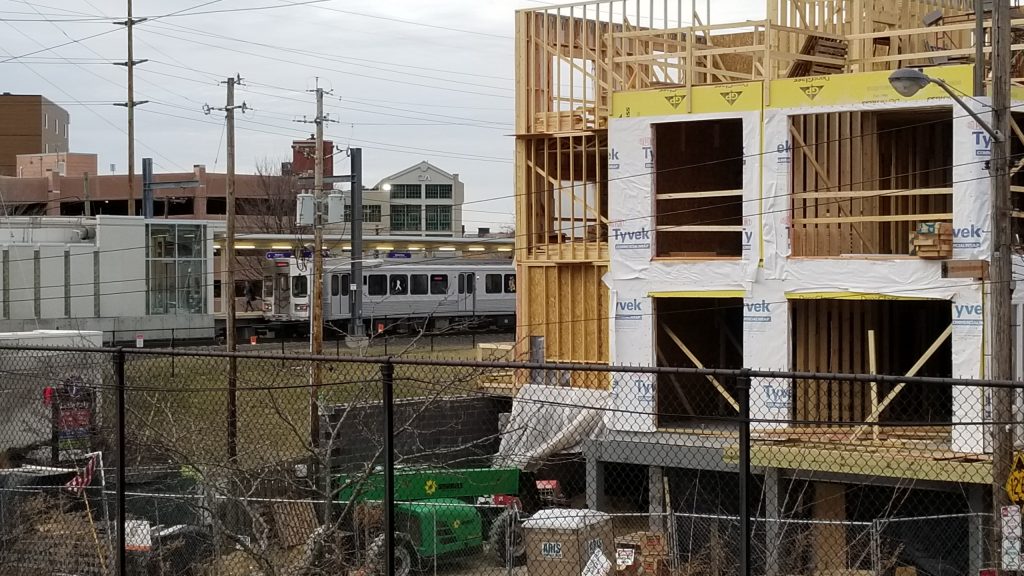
302, 307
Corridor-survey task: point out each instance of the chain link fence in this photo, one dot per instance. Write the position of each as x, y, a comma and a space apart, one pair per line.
160, 462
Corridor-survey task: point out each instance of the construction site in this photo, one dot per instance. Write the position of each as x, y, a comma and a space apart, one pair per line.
713, 194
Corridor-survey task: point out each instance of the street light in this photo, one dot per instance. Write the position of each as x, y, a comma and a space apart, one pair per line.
909, 81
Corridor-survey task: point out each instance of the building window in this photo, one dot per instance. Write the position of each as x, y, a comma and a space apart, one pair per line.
46, 120
400, 191
371, 213
405, 218
176, 265
439, 218
438, 191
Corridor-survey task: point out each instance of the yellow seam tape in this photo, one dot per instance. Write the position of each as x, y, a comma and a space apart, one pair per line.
699, 294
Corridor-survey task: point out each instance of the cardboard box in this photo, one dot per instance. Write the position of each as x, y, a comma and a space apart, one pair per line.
653, 565
645, 542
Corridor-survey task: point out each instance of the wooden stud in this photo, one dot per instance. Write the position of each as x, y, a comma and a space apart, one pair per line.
696, 362
873, 369
873, 417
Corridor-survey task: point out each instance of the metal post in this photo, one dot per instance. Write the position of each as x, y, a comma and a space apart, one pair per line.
129, 24
743, 397
316, 316
85, 194
1000, 269
387, 378
228, 257
121, 460
979, 47
172, 355
147, 188
356, 168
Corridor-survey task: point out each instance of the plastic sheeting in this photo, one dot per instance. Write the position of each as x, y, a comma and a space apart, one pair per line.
548, 420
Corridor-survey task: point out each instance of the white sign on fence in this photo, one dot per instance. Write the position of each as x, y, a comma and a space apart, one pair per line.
1011, 537
140, 340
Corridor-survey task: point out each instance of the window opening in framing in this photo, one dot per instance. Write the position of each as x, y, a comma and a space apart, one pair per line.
862, 181
697, 331
833, 336
698, 186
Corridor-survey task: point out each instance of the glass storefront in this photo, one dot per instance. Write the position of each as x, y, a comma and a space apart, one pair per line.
176, 262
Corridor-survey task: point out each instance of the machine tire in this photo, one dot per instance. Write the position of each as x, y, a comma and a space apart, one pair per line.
506, 538
405, 558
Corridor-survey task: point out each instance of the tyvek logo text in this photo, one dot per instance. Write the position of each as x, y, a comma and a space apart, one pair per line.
631, 239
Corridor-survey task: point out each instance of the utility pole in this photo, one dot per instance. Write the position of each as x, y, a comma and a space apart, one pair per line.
356, 325
227, 289
1000, 270
316, 314
130, 23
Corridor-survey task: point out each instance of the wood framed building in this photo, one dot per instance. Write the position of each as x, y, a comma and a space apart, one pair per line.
749, 194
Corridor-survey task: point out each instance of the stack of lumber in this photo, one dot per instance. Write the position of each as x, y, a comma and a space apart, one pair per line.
932, 240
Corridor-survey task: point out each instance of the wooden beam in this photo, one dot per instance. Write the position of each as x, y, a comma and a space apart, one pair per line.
711, 194
873, 369
873, 417
718, 385
885, 218
700, 228
678, 385
871, 193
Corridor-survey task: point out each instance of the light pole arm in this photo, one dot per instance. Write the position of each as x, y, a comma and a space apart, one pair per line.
995, 134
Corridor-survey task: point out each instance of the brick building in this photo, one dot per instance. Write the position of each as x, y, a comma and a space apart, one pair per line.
30, 124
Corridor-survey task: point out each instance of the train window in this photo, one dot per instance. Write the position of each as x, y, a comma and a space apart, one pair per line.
335, 285
470, 282
377, 284
419, 284
344, 285
398, 284
300, 286
492, 283
462, 283
268, 287
439, 284
510, 283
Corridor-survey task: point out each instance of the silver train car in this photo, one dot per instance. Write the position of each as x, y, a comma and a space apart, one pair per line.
397, 297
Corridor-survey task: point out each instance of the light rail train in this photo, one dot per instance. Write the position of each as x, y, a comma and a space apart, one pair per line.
464, 294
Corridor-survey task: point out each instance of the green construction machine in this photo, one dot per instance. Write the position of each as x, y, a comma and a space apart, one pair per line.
437, 512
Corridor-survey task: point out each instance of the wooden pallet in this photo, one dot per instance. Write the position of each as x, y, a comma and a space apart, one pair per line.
818, 46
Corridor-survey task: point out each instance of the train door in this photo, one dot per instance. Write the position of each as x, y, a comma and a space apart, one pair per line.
339, 296
467, 292
276, 289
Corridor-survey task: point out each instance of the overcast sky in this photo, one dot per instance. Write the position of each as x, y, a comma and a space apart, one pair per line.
412, 80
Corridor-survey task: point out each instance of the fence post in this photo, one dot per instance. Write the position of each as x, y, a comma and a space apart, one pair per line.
121, 460
387, 379
743, 398
172, 355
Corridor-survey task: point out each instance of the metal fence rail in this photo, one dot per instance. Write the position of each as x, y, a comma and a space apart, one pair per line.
119, 461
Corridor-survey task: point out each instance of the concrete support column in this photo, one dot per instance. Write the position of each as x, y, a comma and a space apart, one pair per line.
975, 529
829, 540
595, 484
656, 499
774, 529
